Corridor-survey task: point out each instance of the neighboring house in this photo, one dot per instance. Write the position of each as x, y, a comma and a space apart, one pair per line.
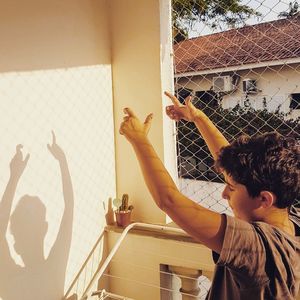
256, 65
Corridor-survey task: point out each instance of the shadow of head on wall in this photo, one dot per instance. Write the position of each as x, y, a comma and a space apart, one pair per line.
28, 226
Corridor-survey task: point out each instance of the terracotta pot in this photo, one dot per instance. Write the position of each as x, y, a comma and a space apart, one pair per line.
123, 218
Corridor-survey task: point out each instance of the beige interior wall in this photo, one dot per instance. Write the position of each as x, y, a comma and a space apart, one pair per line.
138, 49
40, 34
55, 74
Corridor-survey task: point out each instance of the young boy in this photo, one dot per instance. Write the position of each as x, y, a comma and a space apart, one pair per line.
257, 252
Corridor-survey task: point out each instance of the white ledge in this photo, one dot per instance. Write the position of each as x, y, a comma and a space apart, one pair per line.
161, 231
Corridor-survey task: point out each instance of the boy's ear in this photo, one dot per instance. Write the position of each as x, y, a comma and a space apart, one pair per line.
267, 199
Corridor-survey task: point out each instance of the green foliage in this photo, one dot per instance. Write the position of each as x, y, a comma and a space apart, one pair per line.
213, 13
241, 120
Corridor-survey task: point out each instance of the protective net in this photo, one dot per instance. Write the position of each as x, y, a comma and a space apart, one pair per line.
240, 62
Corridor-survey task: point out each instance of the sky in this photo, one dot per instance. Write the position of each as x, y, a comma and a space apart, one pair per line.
269, 10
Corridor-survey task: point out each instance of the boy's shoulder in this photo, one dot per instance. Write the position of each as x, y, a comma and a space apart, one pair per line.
254, 235
256, 259
253, 244
295, 217
277, 235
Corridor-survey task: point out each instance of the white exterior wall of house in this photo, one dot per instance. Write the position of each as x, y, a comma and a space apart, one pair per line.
275, 83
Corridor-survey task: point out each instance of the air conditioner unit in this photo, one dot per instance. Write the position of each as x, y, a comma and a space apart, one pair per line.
249, 86
222, 84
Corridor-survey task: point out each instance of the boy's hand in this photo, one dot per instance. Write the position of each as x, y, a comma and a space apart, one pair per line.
17, 164
55, 150
178, 111
132, 128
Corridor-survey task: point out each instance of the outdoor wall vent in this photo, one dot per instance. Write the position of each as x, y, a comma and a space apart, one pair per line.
249, 86
222, 84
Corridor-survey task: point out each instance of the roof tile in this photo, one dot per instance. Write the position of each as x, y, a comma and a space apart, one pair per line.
263, 42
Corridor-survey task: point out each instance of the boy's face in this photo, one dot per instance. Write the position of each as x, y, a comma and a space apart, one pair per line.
241, 203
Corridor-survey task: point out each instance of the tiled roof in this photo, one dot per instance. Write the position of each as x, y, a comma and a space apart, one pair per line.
276, 40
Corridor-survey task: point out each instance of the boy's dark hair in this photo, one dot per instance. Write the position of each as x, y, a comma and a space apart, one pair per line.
267, 162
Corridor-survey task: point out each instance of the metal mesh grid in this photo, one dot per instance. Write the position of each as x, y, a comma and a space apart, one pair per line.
243, 71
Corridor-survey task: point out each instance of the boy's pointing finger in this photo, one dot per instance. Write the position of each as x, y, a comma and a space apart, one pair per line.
129, 112
173, 98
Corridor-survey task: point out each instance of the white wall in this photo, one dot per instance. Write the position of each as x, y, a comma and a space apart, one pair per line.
55, 74
276, 85
140, 56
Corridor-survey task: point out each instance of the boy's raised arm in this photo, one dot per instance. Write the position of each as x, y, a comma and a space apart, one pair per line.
204, 225
17, 166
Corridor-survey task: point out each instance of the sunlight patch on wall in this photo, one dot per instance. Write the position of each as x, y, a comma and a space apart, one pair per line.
76, 104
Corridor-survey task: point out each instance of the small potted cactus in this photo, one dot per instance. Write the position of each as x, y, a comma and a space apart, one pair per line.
123, 213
